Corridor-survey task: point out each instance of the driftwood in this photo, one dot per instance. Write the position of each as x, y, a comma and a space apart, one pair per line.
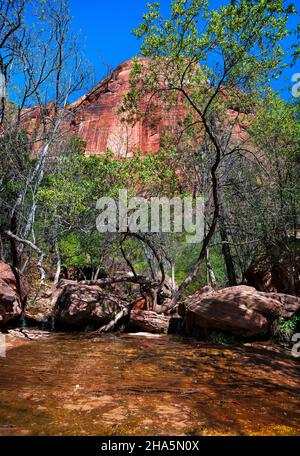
130, 277
112, 324
140, 320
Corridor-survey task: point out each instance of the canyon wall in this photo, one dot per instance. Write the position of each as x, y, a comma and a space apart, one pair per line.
96, 119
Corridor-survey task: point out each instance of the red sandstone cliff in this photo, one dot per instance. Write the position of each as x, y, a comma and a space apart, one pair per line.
98, 122
95, 118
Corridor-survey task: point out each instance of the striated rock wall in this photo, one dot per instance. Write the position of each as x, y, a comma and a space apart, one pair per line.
98, 122
96, 119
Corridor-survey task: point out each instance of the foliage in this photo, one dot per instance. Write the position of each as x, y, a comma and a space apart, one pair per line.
13, 166
222, 338
283, 329
213, 65
237, 143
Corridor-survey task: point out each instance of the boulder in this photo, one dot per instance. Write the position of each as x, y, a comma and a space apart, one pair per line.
79, 305
239, 310
274, 275
15, 280
237, 289
148, 321
225, 315
265, 305
10, 305
13, 293
290, 304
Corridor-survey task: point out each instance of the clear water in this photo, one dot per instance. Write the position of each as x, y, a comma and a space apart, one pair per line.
69, 384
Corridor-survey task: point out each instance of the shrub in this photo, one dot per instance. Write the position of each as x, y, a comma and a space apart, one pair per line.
284, 329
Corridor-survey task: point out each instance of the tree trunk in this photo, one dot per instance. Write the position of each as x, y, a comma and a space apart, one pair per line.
210, 273
231, 276
13, 243
2, 91
58, 263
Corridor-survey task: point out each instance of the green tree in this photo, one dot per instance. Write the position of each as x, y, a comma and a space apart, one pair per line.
209, 62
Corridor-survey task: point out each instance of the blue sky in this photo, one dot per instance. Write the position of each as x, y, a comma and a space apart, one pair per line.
107, 25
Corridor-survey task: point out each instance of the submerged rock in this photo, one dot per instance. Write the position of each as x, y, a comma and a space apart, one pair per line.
13, 293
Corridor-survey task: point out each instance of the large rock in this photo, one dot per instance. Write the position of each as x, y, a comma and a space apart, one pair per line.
240, 310
221, 314
264, 304
148, 321
10, 305
290, 304
236, 289
78, 305
271, 275
13, 293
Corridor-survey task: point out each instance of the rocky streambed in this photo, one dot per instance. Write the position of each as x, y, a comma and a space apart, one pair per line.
145, 384
144, 379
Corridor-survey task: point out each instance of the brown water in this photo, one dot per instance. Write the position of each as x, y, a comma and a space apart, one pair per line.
134, 385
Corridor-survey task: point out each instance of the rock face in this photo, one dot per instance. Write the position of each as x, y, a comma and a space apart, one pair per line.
241, 311
97, 120
274, 276
13, 293
78, 305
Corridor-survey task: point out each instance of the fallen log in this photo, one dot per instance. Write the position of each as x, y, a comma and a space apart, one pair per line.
112, 324
148, 321
130, 277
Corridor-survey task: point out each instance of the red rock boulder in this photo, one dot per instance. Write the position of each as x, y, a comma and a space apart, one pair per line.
290, 305
220, 314
148, 321
78, 306
240, 311
264, 304
274, 276
13, 293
